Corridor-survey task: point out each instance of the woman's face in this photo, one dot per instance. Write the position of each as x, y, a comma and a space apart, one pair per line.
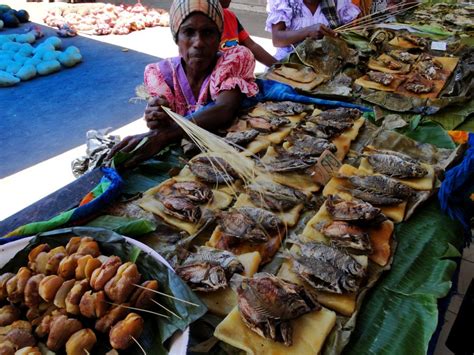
198, 42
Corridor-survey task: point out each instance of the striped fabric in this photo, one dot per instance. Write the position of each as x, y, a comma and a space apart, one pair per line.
181, 9
328, 7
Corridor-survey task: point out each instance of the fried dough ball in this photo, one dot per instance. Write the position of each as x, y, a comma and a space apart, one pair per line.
32, 296
45, 326
16, 285
112, 316
106, 271
67, 266
18, 324
81, 340
29, 350
9, 314
36, 315
49, 286
85, 266
121, 333
61, 330
142, 298
54, 259
73, 245
119, 288
60, 297
3, 284
88, 246
74, 296
6, 346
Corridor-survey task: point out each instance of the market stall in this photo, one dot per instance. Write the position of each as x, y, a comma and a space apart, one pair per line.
311, 225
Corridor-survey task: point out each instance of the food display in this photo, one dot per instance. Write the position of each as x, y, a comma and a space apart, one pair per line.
74, 298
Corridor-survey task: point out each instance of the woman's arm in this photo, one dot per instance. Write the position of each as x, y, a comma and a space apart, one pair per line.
259, 52
223, 112
282, 37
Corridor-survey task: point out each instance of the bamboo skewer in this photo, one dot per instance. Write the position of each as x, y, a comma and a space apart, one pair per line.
166, 295
139, 309
136, 341
373, 19
166, 309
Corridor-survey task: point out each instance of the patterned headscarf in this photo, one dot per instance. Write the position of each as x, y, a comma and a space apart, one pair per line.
181, 9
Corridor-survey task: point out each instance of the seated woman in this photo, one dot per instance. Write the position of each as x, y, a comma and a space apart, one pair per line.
200, 75
291, 21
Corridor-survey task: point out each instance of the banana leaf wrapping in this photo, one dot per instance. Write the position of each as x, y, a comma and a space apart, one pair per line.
156, 330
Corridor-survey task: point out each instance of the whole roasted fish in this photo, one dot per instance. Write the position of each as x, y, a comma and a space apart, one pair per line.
381, 184
212, 169
266, 124
181, 208
284, 108
267, 304
341, 114
381, 78
273, 196
353, 211
193, 190
348, 236
241, 138
286, 162
395, 166
209, 269
419, 85
327, 268
240, 226
304, 145
263, 218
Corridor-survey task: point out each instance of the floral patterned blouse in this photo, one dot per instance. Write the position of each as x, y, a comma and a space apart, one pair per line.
296, 16
234, 68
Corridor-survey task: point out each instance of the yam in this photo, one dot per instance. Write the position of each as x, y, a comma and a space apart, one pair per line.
7, 79
48, 67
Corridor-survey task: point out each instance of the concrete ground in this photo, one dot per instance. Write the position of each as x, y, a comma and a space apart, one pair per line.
43, 122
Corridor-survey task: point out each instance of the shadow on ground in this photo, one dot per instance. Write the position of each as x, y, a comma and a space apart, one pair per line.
49, 115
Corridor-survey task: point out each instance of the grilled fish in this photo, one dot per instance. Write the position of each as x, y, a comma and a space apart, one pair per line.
209, 269
394, 166
212, 169
304, 145
241, 138
419, 86
266, 124
381, 78
353, 211
347, 236
181, 208
285, 108
381, 184
193, 190
239, 225
274, 196
267, 304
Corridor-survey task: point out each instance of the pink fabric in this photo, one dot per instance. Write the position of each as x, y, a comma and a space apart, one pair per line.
296, 16
234, 68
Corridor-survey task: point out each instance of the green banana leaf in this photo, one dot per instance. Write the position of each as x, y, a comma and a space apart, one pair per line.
123, 225
452, 117
427, 131
156, 331
400, 314
468, 125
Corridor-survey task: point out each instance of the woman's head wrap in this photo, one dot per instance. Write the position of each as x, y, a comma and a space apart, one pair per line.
181, 9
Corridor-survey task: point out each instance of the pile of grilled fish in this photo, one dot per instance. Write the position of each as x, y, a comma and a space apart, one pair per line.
274, 196
213, 170
331, 123
397, 165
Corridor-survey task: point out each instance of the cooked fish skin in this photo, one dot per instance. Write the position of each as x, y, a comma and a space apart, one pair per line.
284, 108
381, 78
203, 276
341, 113
397, 154
304, 145
227, 260
212, 170
395, 166
273, 196
241, 138
417, 86
267, 304
181, 208
402, 56
391, 64
263, 218
193, 190
374, 198
354, 211
347, 236
338, 258
324, 276
239, 225
266, 124
381, 184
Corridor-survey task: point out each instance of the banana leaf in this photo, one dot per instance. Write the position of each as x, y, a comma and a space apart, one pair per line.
400, 314
156, 331
468, 125
430, 132
123, 225
452, 117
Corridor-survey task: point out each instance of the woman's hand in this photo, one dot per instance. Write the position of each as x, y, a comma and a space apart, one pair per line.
318, 31
155, 117
142, 150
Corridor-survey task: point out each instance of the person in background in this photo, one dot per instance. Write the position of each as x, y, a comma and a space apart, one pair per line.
292, 21
201, 74
235, 34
